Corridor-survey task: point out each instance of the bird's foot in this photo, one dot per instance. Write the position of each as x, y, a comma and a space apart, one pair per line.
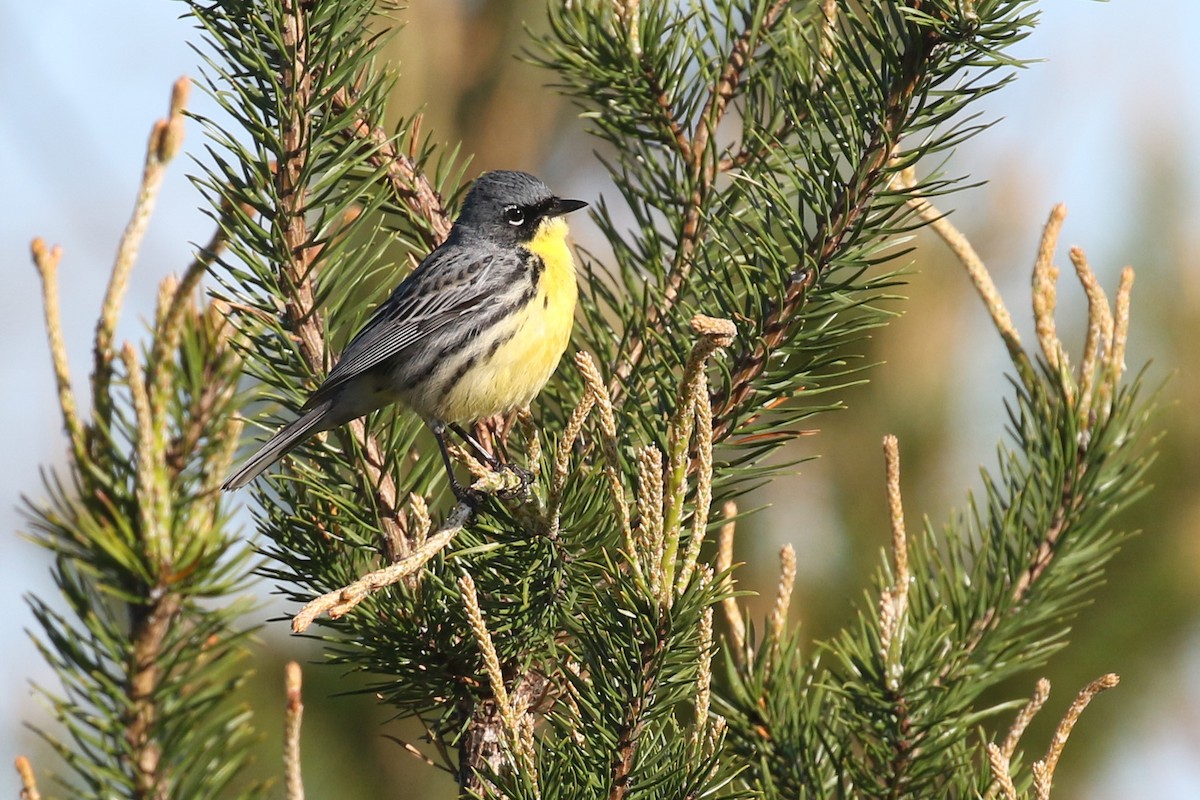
467, 495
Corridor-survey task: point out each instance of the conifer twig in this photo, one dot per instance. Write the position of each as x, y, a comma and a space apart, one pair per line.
704, 674
1098, 341
165, 139
151, 494
1102, 329
296, 272
894, 600
566, 442
293, 715
1114, 366
714, 334
630, 734
852, 203
46, 259
491, 660
650, 535
170, 326
729, 605
1043, 770
627, 12
340, 601
409, 183
511, 709
702, 170
151, 625
1041, 693
891, 450
29, 787
976, 270
1045, 282
783, 594
608, 446
825, 41
1001, 776
1000, 756
704, 478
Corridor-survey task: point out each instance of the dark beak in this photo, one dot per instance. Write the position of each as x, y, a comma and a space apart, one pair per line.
558, 206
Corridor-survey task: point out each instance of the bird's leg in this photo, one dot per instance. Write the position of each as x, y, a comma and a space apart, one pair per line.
487, 458
492, 462
462, 493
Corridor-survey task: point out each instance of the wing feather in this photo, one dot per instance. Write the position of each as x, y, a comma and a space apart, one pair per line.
423, 303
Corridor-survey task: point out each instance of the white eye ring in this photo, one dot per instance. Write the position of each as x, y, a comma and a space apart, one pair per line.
514, 216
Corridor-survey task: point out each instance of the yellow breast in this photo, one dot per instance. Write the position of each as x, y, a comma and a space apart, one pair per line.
520, 367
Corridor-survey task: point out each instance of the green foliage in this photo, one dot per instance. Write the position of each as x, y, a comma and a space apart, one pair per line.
143, 547
756, 150
756, 146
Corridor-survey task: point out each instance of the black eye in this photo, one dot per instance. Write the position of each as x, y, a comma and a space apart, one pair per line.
514, 216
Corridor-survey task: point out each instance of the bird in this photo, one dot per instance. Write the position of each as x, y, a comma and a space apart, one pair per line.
477, 329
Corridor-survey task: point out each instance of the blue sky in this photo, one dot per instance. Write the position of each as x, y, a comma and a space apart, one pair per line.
82, 82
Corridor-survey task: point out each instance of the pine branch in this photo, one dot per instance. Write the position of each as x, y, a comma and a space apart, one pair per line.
139, 536
832, 104
1002, 581
297, 79
629, 737
856, 197
408, 183
702, 170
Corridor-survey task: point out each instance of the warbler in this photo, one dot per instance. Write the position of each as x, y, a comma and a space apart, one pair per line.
476, 330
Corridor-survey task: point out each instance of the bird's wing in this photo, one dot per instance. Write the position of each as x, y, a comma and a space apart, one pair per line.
445, 287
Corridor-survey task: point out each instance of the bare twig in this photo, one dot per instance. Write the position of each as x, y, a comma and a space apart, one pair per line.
165, 139
294, 714
1045, 283
977, 271
729, 605
1000, 756
29, 787
46, 260
339, 602
894, 600
1043, 770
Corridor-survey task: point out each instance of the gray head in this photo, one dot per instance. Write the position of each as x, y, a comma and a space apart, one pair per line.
508, 206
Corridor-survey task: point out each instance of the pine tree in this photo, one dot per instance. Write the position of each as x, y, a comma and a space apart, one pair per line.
562, 640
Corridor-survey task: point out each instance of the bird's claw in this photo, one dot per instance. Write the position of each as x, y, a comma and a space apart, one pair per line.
468, 495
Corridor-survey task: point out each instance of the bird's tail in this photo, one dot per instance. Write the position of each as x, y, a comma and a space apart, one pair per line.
279, 445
